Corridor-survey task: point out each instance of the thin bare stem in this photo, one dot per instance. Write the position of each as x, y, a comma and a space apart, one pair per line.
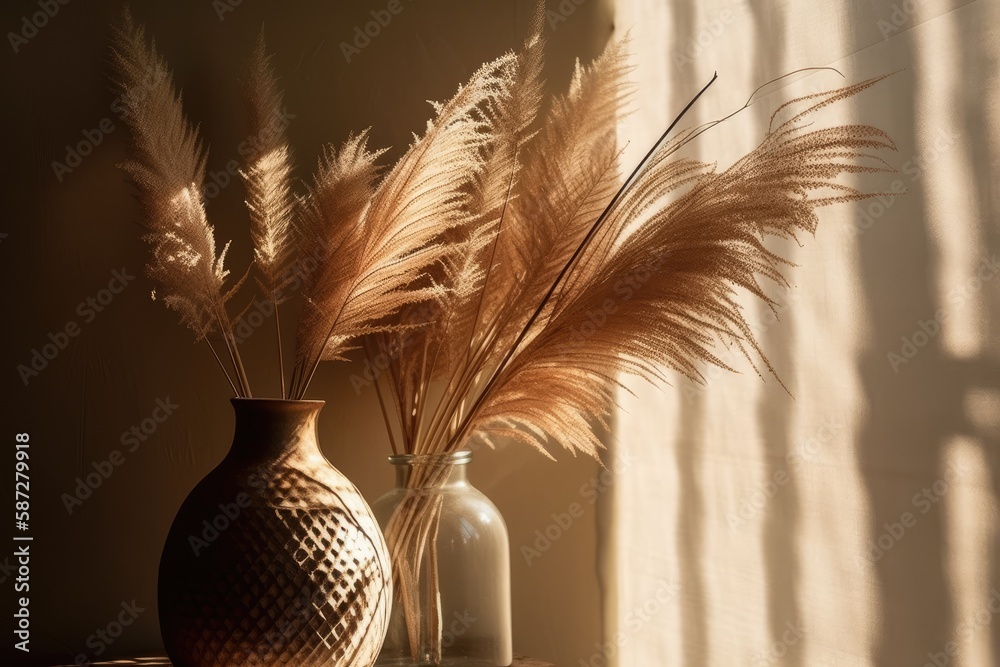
459, 387
239, 364
385, 415
281, 355
434, 591
407, 535
440, 437
229, 348
229, 379
226, 328
304, 385
448, 400
418, 405
493, 250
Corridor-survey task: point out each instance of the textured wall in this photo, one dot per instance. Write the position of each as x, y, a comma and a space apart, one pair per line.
855, 521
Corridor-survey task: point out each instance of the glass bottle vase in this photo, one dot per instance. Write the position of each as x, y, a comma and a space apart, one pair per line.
451, 567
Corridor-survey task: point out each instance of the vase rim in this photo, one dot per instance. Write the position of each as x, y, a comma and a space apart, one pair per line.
460, 457
236, 400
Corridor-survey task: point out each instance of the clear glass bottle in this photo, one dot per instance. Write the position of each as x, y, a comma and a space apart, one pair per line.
451, 566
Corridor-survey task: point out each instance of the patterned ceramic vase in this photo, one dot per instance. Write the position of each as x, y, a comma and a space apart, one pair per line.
274, 558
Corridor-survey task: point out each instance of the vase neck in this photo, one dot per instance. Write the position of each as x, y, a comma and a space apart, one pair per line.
272, 429
431, 470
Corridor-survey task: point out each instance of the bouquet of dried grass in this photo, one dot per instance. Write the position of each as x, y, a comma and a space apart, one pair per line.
568, 277
361, 247
501, 256
502, 270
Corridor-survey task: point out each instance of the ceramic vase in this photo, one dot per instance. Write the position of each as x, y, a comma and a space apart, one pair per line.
274, 558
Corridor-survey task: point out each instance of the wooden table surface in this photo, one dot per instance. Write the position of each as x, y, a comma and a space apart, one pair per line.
162, 661
522, 661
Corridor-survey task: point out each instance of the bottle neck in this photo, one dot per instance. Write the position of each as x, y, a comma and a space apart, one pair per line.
269, 429
429, 471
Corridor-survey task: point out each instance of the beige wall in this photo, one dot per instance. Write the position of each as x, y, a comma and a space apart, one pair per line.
66, 237
853, 523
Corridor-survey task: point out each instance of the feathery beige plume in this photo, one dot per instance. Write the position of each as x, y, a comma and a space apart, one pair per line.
267, 176
443, 336
416, 204
167, 165
269, 194
665, 281
553, 186
332, 238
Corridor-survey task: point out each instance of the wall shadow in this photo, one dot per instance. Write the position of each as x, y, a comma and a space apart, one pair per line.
774, 409
910, 414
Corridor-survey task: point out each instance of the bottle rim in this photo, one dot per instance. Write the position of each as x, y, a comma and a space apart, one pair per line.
460, 457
